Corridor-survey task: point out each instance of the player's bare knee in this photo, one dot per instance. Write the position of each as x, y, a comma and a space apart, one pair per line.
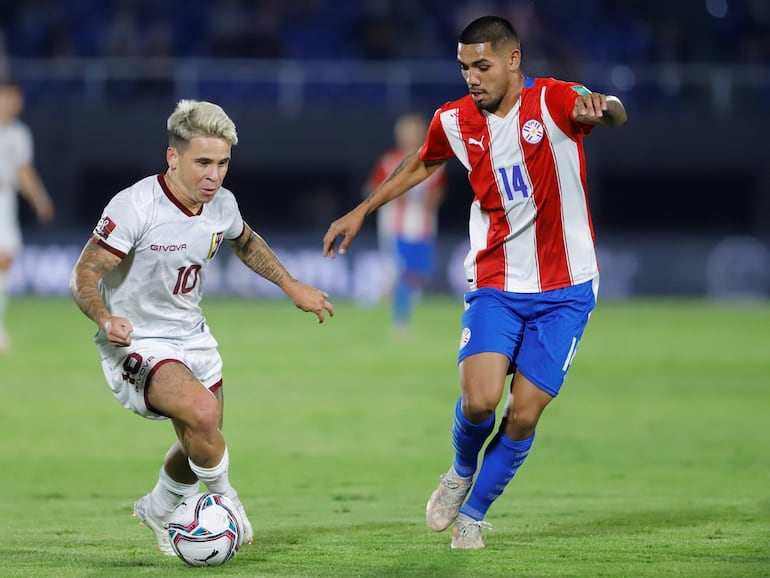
203, 417
523, 420
478, 406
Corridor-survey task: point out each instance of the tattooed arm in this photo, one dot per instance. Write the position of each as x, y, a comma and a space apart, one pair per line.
259, 257
93, 264
412, 171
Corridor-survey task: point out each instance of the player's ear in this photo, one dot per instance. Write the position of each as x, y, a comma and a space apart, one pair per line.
514, 59
172, 157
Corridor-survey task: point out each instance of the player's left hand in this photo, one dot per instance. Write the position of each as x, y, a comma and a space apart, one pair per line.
589, 106
310, 299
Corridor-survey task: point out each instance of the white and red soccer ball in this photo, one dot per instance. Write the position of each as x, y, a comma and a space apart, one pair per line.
205, 530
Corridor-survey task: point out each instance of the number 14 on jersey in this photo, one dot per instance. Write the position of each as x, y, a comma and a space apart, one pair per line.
514, 182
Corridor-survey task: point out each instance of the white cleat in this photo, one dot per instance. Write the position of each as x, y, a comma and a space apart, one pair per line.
248, 532
445, 503
143, 511
466, 534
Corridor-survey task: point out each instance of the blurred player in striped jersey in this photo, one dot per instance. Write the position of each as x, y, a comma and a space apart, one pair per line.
140, 279
407, 227
531, 269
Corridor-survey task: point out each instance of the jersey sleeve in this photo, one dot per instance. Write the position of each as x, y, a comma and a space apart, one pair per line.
560, 98
235, 229
436, 146
237, 224
120, 225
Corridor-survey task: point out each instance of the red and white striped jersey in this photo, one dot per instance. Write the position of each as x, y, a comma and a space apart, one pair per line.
530, 226
414, 215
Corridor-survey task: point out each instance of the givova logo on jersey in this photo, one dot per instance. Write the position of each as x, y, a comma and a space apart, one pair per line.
135, 368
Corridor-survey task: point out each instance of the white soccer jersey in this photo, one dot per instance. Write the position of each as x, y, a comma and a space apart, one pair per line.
165, 250
530, 227
15, 152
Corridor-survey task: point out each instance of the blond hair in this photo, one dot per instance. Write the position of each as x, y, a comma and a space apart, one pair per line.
199, 118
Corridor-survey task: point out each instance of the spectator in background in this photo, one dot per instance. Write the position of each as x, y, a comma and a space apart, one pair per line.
241, 30
625, 30
123, 38
407, 227
17, 173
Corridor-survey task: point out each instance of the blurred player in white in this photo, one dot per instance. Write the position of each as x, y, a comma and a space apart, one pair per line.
17, 173
532, 269
407, 227
140, 278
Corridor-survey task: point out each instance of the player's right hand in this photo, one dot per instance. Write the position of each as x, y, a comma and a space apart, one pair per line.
348, 226
118, 331
44, 208
309, 299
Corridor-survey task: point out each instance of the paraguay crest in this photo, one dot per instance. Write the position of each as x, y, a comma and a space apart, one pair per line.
532, 131
465, 337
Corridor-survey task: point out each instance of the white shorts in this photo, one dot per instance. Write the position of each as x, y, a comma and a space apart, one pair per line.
128, 369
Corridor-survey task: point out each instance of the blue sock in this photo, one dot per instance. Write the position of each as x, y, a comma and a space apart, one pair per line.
501, 460
402, 302
468, 439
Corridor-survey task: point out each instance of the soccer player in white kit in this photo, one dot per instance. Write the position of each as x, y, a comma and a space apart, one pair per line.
531, 269
17, 172
140, 278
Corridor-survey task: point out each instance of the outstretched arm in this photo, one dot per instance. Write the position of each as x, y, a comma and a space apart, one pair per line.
259, 257
32, 189
406, 175
599, 109
94, 263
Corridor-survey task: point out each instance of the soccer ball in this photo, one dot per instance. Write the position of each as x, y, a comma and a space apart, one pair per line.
205, 530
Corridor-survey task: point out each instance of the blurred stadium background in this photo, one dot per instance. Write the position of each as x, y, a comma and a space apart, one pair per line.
680, 196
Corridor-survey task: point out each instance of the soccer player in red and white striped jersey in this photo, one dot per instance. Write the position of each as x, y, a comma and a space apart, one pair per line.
531, 269
407, 228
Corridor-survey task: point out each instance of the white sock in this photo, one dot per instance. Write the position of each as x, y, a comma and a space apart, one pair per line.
215, 478
168, 493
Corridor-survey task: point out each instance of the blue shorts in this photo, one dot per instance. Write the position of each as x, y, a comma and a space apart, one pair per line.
415, 258
538, 332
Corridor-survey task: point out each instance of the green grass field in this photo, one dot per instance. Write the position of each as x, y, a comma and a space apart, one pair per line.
654, 461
